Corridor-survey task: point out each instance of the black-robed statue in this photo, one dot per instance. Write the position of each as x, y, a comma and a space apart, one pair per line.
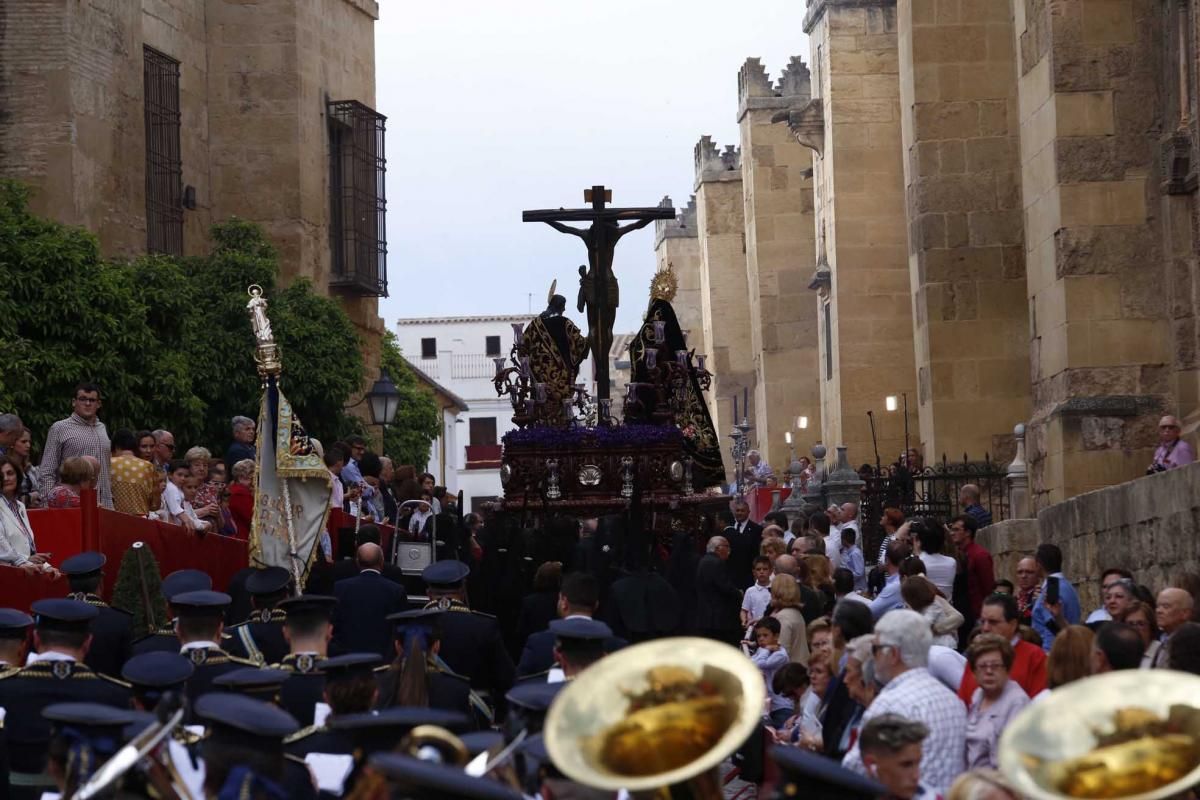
555, 349
700, 436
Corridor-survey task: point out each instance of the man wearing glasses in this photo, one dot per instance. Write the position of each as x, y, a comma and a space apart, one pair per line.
81, 434
1172, 451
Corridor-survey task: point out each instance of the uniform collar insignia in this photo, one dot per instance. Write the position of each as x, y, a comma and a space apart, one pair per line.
264, 615
306, 662
198, 655
62, 669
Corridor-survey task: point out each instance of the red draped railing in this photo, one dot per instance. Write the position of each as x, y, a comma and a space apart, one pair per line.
66, 532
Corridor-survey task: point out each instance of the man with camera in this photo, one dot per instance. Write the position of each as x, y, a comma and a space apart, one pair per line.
1172, 451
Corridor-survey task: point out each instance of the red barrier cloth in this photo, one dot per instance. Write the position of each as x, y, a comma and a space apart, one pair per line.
68, 531
760, 500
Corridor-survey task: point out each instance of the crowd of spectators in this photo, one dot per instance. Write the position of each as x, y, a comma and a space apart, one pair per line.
144, 474
911, 670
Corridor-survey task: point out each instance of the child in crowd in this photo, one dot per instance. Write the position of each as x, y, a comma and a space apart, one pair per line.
757, 597
74, 475
770, 657
172, 498
190, 487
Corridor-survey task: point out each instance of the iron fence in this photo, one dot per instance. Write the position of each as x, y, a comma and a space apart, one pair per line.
931, 492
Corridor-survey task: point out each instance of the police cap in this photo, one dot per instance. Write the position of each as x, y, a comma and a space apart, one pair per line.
268, 581
63, 614
84, 565
185, 580
445, 574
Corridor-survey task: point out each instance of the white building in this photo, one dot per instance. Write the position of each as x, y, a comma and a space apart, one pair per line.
456, 353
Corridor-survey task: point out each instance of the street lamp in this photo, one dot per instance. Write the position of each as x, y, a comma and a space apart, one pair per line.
383, 401
802, 423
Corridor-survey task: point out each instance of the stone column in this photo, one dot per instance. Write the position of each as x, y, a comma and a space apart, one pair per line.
780, 257
958, 101
677, 245
1089, 108
853, 124
724, 296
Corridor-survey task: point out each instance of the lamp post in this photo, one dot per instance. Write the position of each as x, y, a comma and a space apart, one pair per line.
383, 401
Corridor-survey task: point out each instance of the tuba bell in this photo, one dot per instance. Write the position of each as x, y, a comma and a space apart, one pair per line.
654, 715
1130, 734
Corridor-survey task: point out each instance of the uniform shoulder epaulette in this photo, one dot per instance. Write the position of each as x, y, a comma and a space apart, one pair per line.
8, 672
303, 733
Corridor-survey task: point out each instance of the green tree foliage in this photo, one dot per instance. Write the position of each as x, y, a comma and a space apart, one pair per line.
168, 339
419, 419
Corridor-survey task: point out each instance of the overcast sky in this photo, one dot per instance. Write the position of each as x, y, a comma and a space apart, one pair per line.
495, 107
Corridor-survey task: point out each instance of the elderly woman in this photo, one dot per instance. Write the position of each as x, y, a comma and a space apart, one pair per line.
208, 497
859, 678
241, 497
17, 547
74, 475
785, 607
1140, 617
996, 700
820, 637
1119, 598
772, 548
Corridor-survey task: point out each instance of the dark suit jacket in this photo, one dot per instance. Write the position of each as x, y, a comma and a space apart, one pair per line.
743, 549
717, 598
538, 610
359, 621
472, 646
538, 655
348, 568
643, 606
112, 637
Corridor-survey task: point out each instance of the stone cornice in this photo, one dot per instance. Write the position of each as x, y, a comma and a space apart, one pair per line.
806, 123
816, 9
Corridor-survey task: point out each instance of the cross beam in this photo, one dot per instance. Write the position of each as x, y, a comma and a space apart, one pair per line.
601, 239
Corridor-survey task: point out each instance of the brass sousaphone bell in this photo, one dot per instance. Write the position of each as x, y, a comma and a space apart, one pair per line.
1062, 746
596, 736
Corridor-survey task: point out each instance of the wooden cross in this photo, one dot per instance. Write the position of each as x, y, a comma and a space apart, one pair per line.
601, 238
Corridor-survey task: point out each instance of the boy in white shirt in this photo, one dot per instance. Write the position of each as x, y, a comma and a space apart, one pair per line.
172, 497
190, 487
757, 597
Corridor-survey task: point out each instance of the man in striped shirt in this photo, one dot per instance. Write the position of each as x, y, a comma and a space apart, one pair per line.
80, 434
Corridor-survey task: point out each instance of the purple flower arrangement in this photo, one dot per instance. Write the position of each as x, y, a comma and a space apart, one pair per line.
602, 436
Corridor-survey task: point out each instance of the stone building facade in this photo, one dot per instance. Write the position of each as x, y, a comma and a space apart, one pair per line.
1000, 228
146, 121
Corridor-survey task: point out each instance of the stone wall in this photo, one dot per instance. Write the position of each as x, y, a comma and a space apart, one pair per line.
254, 80
860, 209
724, 296
677, 245
958, 93
1150, 526
780, 257
1089, 106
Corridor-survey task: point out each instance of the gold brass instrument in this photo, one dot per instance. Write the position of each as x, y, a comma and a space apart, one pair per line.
656, 714
1132, 734
148, 752
432, 743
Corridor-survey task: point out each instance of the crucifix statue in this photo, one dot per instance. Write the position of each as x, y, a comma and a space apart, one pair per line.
597, 284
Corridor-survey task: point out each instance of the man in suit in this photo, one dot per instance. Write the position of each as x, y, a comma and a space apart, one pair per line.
744, 537
112, 629
199, 627
360, 621
717, 598
577, 599
259, 638
471, 642
164, 639
348, 567
56, 673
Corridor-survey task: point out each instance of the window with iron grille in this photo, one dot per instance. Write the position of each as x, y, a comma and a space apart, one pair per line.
164, 166
356, 171
492, 345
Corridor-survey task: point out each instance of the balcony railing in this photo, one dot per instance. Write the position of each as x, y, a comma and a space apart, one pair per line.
466, 367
